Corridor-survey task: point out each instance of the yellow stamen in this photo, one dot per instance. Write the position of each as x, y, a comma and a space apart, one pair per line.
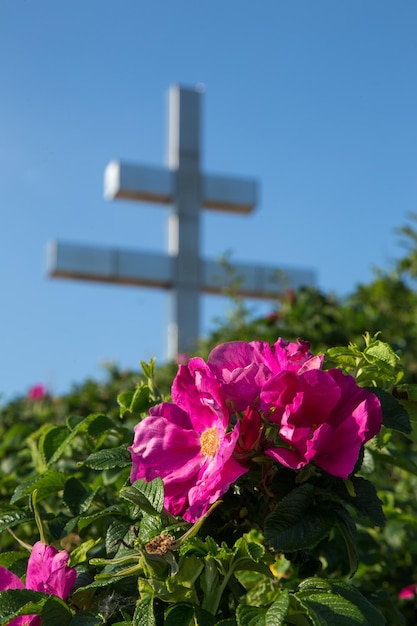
209, 442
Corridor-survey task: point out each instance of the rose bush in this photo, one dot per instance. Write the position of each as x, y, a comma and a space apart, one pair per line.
242, 497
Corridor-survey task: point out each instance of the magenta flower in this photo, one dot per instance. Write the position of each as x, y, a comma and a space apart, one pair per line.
407, 593
37, 392
182, 358
47, 571
189, 444
322, 417
243, 368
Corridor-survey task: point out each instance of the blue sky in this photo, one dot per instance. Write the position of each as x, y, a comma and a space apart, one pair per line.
316, 100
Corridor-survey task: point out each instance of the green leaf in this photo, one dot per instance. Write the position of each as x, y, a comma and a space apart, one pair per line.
249, 549
17, 602
115, 535
109, 458
343, 357
74, 494
150, 526
394, 414
248, 558
110, 511
54, 612
53, 442
124, 400
250, 615
12, 517
204, 618
140, 399
149, 496
347, 529
381, 354
277, 612
97, 425
87, 619
336, 603
7, 559
183, 615
46, 484
366, 501
180, 614
144, 615
396, 461
296, 523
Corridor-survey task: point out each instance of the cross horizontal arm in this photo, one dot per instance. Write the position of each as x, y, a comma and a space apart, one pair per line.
156, 270
153, 184
253, 281
65, 260
138, 182
225, 193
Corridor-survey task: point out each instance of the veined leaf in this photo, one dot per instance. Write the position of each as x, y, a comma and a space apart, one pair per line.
277, 612
46, 484
337, 603
109, 458
149, 496
366, 501
144, 615
296, 523
17, 602
13, 517
250, 615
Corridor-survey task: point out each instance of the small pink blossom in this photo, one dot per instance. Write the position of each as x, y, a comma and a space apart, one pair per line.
408, 593
37, 392
323, 416
189, 444
47, 572
182, 358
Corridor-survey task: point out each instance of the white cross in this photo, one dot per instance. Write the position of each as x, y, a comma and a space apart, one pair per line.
182, 271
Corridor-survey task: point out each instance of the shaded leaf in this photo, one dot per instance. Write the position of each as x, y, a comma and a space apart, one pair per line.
180, 614
296, 523
366, 501
394, 414
17, 602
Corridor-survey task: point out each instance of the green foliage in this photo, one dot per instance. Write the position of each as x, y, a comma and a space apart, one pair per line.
309, 550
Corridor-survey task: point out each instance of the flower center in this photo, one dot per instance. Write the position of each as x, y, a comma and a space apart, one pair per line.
209, 441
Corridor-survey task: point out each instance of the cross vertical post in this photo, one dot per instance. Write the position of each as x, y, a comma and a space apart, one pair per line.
184, 220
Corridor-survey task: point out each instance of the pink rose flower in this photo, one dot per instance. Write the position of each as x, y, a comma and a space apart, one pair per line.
407, 593
243, 368
37, 392
189, 444
47, 571
323, 416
